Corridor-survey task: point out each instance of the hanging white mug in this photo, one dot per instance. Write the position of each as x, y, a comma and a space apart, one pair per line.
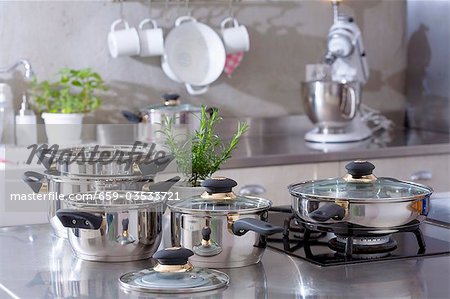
236, 38
123, 42
151, 39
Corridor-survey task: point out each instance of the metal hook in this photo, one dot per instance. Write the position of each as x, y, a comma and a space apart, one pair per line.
186, 7
121, 13
230, 8
149, 6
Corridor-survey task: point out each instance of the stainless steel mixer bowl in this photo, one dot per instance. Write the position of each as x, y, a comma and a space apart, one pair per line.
330, 104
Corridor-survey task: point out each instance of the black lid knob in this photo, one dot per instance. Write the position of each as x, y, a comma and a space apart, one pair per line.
170, 96
173, 256
219, 185
359, 169
206, 233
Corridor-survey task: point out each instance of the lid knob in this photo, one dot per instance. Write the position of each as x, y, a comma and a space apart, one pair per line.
173, 256
219, 185
358, 169
171, 99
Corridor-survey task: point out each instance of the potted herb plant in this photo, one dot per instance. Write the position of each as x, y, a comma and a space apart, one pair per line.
202, 153
64, 103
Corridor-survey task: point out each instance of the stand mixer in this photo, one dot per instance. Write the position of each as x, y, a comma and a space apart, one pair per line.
332, 95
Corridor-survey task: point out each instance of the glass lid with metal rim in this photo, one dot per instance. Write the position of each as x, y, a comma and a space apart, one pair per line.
220, 198
174, 275
360, 184
172, 104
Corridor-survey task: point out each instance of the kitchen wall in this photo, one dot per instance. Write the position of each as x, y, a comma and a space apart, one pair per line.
285, 35
428, 71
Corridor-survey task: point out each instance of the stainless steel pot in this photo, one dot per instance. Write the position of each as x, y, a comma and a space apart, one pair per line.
98, 160
330, 104
61, 185
222, 229
125, 227
377, 205
185, 118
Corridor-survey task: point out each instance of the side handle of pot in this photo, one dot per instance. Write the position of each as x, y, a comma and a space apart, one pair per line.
242, 226
156, 165
34, 179
133, 118
327, 212
77, 219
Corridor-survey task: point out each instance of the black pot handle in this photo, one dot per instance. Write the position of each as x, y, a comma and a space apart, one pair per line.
327, 212
219, 185
156, 165
242, 226
132, 117
173, 256
33, 179
358, 169
163, 186
77, 219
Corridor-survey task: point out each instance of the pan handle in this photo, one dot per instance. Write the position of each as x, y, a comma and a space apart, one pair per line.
34, 179
156, 165
327, 212
76, 219
242, 226
132, 117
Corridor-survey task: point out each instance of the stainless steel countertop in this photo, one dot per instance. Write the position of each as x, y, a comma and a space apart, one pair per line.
278, 141
34, 264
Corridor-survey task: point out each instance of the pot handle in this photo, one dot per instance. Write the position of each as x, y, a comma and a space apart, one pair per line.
163, 186
328, 211
132, 117
76, 219
351, 94
156, 165
33, 179
242, 226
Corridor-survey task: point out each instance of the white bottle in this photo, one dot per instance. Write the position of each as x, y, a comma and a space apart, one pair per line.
26, 129
6, 115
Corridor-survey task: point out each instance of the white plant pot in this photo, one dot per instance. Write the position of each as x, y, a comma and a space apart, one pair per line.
63, 128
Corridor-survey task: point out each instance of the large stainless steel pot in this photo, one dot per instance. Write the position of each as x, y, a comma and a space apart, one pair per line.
185, 118
362, 200
222, 229
113, 225
98, 160
53, 182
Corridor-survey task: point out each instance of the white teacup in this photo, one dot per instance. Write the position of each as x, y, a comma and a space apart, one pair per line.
124, 42
152, 40
236, 38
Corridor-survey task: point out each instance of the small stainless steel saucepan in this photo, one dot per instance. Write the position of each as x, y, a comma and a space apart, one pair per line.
360, 198
222, 229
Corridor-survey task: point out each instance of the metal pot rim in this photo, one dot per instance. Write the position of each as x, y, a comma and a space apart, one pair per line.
68, 178
359, 200
218, 213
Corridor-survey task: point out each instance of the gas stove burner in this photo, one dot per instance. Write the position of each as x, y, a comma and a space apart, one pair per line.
366, 245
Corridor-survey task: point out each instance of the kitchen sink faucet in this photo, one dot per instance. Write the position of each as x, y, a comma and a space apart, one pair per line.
26, 64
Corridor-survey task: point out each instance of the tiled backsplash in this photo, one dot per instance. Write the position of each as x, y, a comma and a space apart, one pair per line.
285, 36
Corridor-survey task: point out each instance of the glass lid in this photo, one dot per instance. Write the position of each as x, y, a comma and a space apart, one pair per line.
173, 104
360, 184
174, 275
219, 198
